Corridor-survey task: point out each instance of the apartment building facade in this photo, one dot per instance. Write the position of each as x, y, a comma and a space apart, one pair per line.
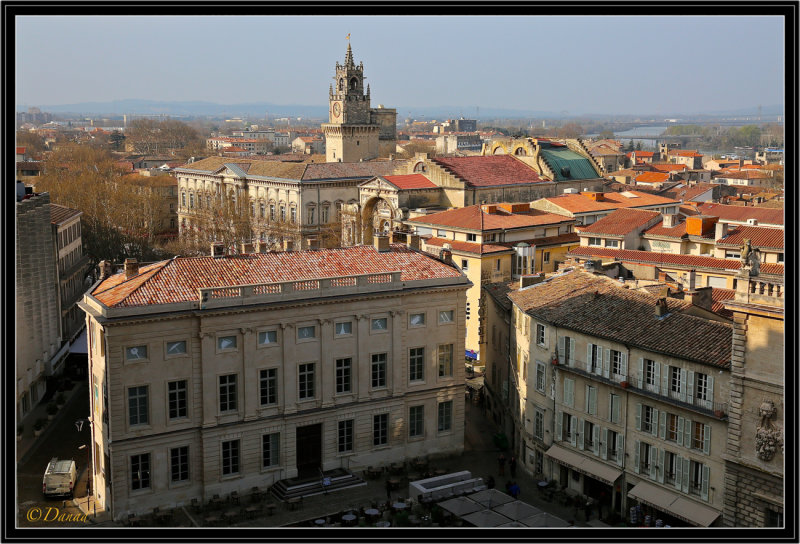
632, 406
219, 374
71, 265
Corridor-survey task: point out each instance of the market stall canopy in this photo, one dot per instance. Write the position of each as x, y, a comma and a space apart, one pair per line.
584, 465
674, 504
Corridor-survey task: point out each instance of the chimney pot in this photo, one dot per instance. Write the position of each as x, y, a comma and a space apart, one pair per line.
131, 268
413, 241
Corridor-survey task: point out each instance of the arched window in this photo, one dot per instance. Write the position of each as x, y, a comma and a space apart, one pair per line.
262, 210
341, 84
353, 84
191, 200
183, 199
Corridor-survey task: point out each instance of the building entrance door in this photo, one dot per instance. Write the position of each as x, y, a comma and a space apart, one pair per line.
309, 450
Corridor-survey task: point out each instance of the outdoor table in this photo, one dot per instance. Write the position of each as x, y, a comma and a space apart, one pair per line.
230, 514
399, 505
211, 520
372, 512
383, 524
374, 473
252, 510
215, 502
349, 519
270, 507
319, 522
543, 483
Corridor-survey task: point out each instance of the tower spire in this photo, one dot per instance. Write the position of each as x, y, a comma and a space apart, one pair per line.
348, 59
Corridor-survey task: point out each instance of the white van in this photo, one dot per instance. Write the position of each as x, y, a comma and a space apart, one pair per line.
59, 478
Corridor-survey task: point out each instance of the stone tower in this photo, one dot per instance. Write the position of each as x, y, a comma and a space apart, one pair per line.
354, 129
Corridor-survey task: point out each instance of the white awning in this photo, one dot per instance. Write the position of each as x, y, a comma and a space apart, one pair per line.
674, 504
584, 465
79, 345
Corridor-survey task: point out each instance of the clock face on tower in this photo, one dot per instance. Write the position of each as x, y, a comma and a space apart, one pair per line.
337, 109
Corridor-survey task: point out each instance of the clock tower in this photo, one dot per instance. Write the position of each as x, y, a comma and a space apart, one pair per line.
354, 129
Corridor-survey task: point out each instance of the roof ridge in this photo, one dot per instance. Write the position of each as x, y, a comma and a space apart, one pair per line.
152, 273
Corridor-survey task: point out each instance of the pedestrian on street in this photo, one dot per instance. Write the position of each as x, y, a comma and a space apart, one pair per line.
512, 465
514, 490
501, 464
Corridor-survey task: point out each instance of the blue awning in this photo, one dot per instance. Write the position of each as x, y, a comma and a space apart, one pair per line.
471, 354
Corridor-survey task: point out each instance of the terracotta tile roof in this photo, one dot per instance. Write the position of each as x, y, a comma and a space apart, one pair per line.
592, 305
654, 257
744, 174
689, 192
489, 171
688, 210
684, 153
742, 213
544, 241
178, 279
59, 214
669, 167
499, 292
760, 237
717, 296
771, 268
643, 153
365, 170
467, 247
652, 177
580, 203
410, 181
474, 218
620, 222
678, 231
20, 150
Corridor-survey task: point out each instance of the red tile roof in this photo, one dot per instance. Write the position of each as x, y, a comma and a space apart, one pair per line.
684, 153
678, 231
758, 236
410, 181
745, 174
742, 213
178, 279
689, 192
467, 247
544, 241
59, 214
489, 171
592, 305
669, 167
20, 150
652, 177
717, 296
654, 257
642, 153
580, 203
474, 218
620, 222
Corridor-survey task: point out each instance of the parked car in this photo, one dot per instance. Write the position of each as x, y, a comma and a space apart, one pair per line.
59, 478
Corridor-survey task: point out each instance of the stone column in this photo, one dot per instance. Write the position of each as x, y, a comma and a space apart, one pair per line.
327, 378
288, 369
250, 388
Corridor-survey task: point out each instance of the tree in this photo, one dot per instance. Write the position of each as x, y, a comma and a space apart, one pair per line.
116, 140
607, 135
32, 142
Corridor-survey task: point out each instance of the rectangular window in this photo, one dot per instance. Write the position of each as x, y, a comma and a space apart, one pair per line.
270, 449
380, 430
675, 379
540, 376
613, 440
137, 405
417, 320
226, 342
773, 518
230, 457
267, 338
311, 216
272, 212
344, 328
445, 416
416, 364
672, 428
591, 400
612, 243
379, 324
305, 333
698, 435
305, 377
649, 374
595, 365
464, 264
378, 370
546, 257
614, 408
268, 386
445, 360
595, 242
283, 213
616, 363
567, 426
588, 435
540, 334
343, 375
471, 237
140, 471
446, 316
135, 353
345, 436
416, 421
647, 419
294, 215
538, 424
227, 393
176, 348
695, 478
644, 457
670, 464
497, 264
702, 392
567, 353
177, 399
179, 464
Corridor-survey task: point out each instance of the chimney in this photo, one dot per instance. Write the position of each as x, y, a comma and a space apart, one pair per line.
489, 208
446, 254
131, 268
669, 220
106, 269
661, 307
217, 250
288, 245
721, 230
692, 280
530, 279
597, 196
381, 242
413, 241
700, 297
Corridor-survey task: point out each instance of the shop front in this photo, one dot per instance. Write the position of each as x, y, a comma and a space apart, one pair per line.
590, 477
665, 507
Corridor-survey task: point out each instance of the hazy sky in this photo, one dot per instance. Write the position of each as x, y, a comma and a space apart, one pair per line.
552, 63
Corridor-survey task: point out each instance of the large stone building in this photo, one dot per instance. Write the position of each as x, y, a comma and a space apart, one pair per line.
71, 265
213, 375
355, 131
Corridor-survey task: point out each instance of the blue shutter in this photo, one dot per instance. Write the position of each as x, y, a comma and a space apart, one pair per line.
636, 448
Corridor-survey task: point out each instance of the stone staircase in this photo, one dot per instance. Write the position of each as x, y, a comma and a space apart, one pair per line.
297, 488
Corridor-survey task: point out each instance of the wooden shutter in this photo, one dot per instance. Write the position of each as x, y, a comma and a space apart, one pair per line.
636, 447
573, 423
683, 384
654, 426
678, 472
587, 390
706, 439
606, 362
640, 379
685, 483
593, 401
623, 364
704, 484
710, 392
546, 337
589, 358
687, 433
595, 439
663, 425
571, 352
657, 376
690, 387
572, 393
620, 449
617, 409
665, 380
653, 462
559, 418
661, 459
561, 350
639, 416
604, 446
680, 430
580, 432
